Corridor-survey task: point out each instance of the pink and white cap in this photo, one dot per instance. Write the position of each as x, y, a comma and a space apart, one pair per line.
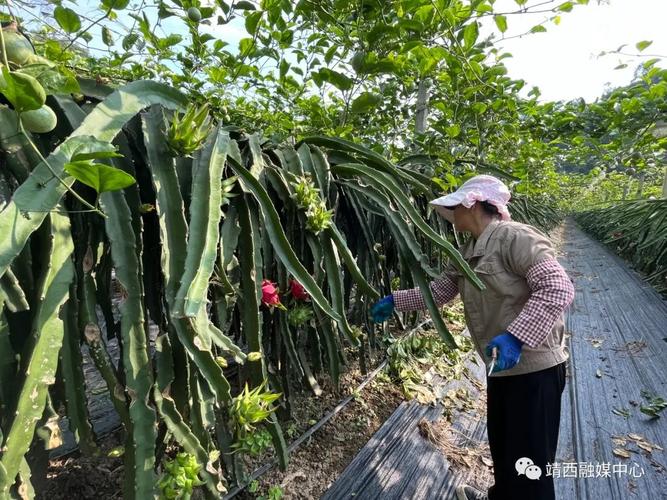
479, 188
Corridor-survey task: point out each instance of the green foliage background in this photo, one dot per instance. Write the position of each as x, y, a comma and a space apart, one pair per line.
369, 107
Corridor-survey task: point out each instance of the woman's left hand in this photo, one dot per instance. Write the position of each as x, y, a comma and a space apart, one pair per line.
509, 351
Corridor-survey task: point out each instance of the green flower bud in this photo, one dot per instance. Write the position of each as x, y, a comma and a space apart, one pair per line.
254, 356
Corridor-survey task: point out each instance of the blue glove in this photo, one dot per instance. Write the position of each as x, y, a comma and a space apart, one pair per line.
382, 309
509, 351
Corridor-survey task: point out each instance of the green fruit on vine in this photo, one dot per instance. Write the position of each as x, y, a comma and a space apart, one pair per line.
194, 14
40, 120
18, 47
31, 91
37, 59
357, 61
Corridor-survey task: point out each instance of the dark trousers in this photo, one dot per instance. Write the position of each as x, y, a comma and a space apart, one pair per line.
523, 418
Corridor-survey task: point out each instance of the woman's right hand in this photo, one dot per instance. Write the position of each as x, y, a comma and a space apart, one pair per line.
382, 309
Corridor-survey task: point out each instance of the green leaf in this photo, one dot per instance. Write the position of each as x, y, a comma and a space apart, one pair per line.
286, 38
643, 44
357, 61
538, 29
169, 41
252, 22
163, 12
565, 7
67, 19
101, 178
453, 131
483, 7
23, 91
54, 80
501, 22
470, 34
365, 102
243, 5
245, 46
284, 68
223, 5
329, 55
427, 64
95, 149
115, 4
479, 107
107, 37
335, 78
410, 25
92, 148
424, 14
129, 41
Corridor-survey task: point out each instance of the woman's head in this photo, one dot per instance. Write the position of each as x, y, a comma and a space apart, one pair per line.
481, 213
479, 200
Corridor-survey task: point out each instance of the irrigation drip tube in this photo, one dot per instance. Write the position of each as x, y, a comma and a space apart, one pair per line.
266, 467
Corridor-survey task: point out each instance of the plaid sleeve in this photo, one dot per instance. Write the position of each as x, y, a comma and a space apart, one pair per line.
551, 292
444, 289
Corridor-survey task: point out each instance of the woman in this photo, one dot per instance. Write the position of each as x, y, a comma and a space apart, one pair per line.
516, 325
